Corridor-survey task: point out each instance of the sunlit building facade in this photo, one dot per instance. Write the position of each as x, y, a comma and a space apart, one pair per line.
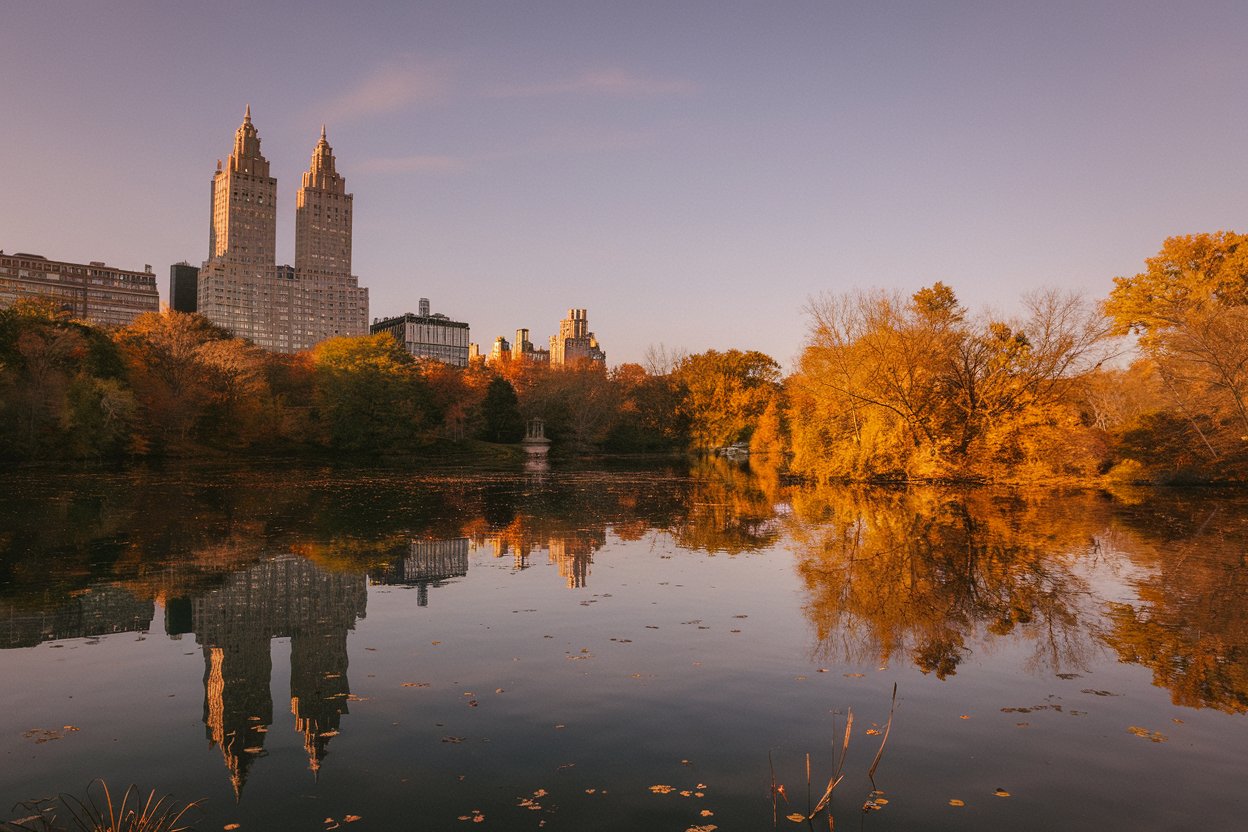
242, 288
91, 292
429, 335
575, 343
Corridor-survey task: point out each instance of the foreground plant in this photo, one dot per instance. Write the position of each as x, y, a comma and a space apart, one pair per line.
97, 812
825, 802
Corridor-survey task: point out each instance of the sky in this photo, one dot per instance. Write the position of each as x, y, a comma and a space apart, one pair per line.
692, 173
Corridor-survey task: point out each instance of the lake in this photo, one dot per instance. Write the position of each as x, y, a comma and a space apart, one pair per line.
624, 647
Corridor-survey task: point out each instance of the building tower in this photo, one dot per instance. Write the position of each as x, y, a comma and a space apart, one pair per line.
575, 343
241, 287
323, 217
244, 204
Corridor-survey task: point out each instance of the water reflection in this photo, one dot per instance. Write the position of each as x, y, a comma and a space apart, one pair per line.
425, 564
234, 623
1189, 620
923, 573
922, 576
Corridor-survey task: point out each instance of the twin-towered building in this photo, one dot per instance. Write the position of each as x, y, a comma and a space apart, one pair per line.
242, 288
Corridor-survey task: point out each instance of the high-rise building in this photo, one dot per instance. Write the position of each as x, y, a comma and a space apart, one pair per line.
429, 335
184, 287
242, 288
89, 291
575, 342
522, 349
323, 217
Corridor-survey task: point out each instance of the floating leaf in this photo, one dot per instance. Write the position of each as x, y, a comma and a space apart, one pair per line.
956, 802
662, 789
230, 826
1000, 792
796, 817
351, 818
1154, 736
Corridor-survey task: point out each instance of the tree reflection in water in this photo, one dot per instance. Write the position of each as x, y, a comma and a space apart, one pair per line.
927, 574
924, 574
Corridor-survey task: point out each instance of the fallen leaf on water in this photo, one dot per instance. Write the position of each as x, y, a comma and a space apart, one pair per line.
883, 801
1154, 736
415, 685
1000, 792
872, 731
230, 826
956, 802
1098, 692
710, 827
453, 740
686, 793
796, 817
70, 728
685, 763
853, 675
706, 813
590, 791
662, 789
701, 786
351, 818
964, 716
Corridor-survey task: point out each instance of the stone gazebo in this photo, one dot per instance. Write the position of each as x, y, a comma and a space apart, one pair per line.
535, 443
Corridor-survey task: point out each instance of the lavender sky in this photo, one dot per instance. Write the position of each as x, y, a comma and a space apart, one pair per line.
691, 172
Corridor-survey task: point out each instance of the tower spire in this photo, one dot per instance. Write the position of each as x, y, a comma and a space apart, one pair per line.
323, 131
247, 115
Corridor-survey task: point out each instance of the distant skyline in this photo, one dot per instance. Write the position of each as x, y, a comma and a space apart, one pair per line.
691, 173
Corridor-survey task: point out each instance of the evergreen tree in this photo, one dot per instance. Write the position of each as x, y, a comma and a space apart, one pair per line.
501, 419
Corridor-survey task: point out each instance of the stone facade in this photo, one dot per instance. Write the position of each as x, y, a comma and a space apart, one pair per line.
575, 343
242, 288
429, 335
89, 291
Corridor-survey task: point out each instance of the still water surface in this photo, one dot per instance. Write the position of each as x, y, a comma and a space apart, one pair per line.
537, 649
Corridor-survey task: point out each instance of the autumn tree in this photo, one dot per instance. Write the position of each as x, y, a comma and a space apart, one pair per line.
62, 386
648, 414
171, 382
1189, 310
369, 394
898, 387
724, 394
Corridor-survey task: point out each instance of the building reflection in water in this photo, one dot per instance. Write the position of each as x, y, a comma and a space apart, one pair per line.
102, 610
426, 563
234, 623
571, 552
